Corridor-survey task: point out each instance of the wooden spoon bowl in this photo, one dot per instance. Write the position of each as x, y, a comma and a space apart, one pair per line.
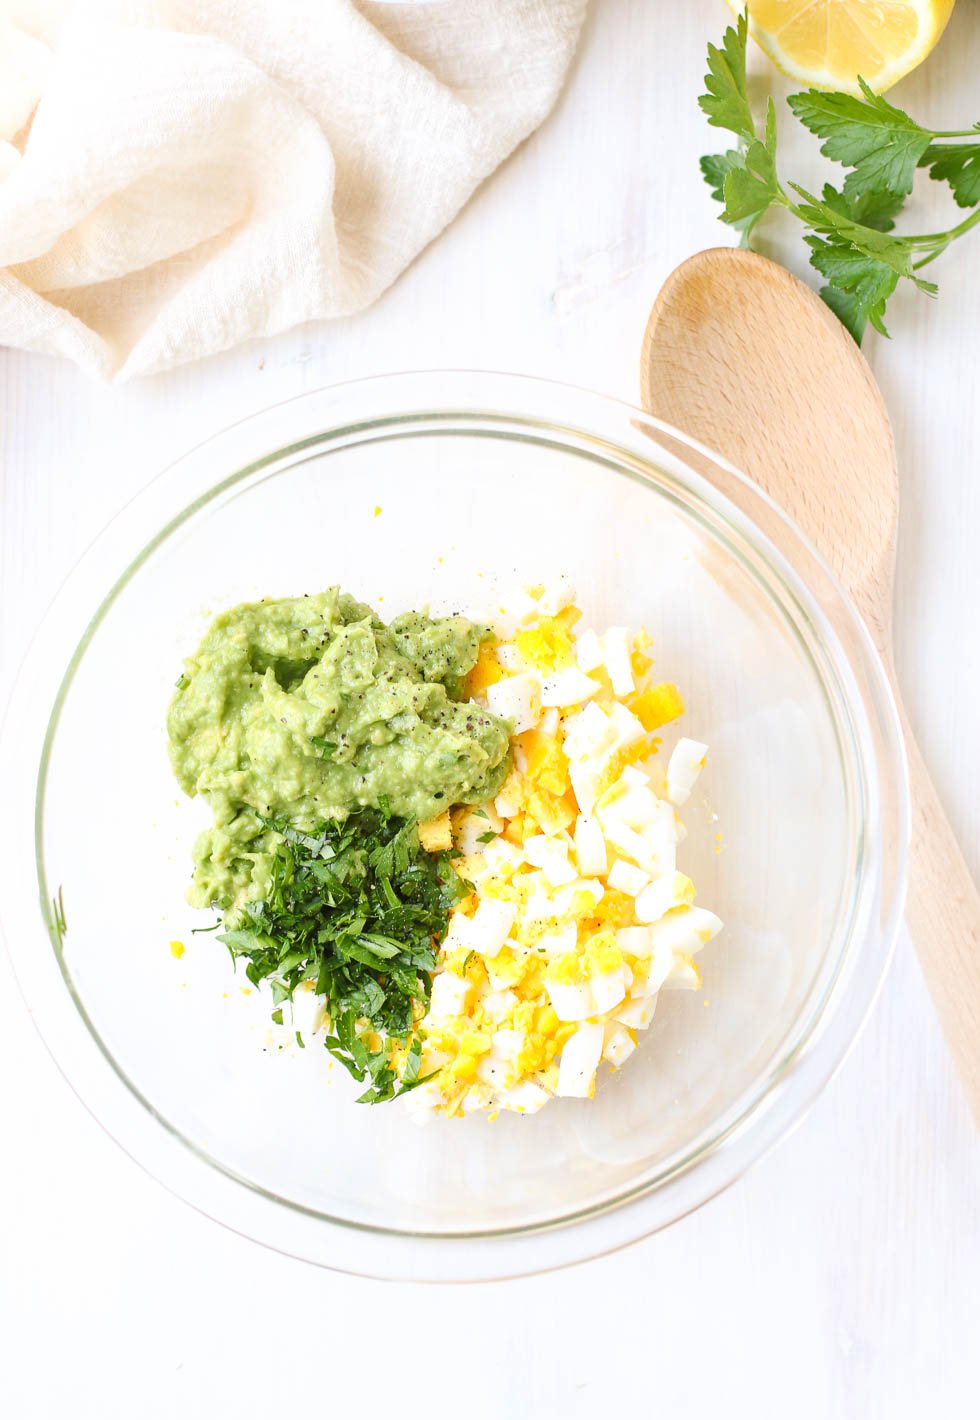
742, 356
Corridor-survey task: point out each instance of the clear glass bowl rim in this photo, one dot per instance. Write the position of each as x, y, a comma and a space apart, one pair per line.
410, 401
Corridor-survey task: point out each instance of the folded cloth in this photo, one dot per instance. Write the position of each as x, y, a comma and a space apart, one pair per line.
180, 175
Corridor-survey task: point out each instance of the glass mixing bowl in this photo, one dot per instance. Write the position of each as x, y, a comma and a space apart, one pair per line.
453, 490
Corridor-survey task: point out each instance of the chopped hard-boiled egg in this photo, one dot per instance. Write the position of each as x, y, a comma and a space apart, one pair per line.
578, 916
516, 698
436, 835
683, 768
450, 994
618, 1044
308, 1010
579, 1061
568, 687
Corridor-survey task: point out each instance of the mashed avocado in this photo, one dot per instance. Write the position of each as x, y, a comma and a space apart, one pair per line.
308, 708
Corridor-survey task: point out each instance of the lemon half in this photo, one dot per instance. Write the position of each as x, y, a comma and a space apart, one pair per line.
828, 43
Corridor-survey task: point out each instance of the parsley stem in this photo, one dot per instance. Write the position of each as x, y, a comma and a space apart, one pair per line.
787, 202
918, 265
946, 237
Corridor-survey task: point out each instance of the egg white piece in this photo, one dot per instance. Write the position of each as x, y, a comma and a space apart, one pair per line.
506, 804
525, 1098
590, 847
629, 843
472, 828
637, 1012
499, 1068
616, 655
579, 1061
489, 927
586, 778
308, 1010
571, 1000
635, 805
588, 652
685, 976
477, 1099
550, 722
627, 728
509, 657
609, 987
502, 858
659, 966
499, 974
663, 895
627, 877
551, 856
546, 905
556, 596
517, 699
558, 870
683, 768
422, 1102
589, 734
660, 838
498, 1004
686, 929
559, 942
450, 996
634, 940
618, 1045
568, 687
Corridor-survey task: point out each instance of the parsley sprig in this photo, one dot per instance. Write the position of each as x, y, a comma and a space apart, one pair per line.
358, 907
850, 229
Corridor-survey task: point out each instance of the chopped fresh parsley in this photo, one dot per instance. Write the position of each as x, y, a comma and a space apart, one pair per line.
358, 907
850, 231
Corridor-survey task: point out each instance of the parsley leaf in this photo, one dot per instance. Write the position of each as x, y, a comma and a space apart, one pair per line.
879, 142
744, 179
877, 210
356, 907
726, 102
715, 167
869, 242
860, 285
751, 188
959, 165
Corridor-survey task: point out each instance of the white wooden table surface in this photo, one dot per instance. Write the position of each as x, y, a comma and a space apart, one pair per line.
839, 1278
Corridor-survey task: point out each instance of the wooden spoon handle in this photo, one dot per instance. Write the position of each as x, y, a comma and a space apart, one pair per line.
943, 916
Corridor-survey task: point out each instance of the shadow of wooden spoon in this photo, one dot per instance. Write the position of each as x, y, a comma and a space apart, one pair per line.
744, 357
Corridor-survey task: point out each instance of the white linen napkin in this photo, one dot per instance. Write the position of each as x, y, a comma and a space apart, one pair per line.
180, 175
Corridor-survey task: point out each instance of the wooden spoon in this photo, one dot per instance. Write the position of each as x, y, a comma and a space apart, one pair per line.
744, 357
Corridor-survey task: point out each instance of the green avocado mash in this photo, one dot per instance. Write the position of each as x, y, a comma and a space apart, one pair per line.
309, 708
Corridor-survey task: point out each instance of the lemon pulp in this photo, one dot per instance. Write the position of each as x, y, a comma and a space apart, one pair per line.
828, 43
